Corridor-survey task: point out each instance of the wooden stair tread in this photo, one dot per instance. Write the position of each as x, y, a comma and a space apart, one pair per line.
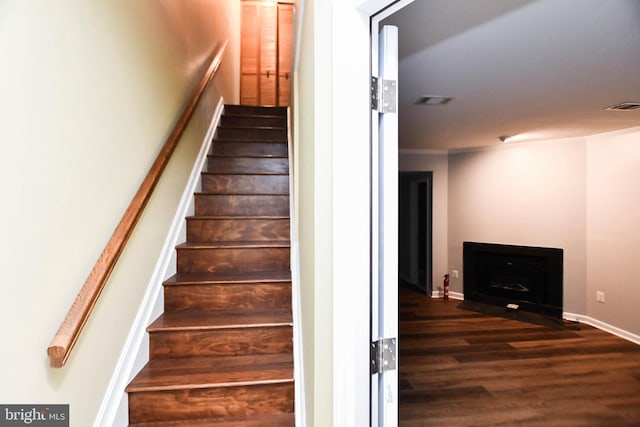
247, 156
223, 319
238, 193
255, 127
250, 141
244, 173
228, 142
234, 244
212, 372
228, 277
248, 173
266, 420
238, 217
264, 115
254, 140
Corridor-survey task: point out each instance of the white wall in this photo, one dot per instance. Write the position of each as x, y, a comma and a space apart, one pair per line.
438, 163
613, 228
310, 193
90, 90
526, 194
331, 110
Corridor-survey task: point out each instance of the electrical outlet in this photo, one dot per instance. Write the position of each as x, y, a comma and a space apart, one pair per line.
599, 296
454, 274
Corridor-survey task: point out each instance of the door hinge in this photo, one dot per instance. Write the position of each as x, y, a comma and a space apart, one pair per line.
383, 355
384, 95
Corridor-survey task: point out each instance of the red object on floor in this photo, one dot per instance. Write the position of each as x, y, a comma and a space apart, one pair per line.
446, 287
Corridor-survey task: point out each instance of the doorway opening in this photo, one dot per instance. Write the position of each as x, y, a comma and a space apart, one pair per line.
415, 206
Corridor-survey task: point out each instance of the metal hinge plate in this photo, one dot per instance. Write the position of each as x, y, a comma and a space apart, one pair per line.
383, 355
384, 95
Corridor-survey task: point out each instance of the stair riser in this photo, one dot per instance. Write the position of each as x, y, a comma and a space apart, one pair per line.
210, 402
251, 134
267, 149
239, 110
221, 342
227, 296
245, 184
260, 121
273, 420
210, 204
248, 165
211, 230
226, 260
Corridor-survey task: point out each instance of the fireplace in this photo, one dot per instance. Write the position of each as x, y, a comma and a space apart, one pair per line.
530, 277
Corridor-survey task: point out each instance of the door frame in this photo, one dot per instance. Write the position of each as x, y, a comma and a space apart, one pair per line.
342, 35
384, 226
410, 179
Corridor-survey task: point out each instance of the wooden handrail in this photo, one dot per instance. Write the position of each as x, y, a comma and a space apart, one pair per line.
68, 333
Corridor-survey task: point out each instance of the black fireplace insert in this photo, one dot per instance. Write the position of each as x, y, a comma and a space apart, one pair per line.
530, 277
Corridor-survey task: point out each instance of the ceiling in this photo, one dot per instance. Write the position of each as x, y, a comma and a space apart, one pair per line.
534, 69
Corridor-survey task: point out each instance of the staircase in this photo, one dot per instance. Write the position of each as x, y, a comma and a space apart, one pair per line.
222, 353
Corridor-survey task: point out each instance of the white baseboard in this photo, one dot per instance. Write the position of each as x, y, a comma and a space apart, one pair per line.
114, 408
298, 354
580, 318
452, 295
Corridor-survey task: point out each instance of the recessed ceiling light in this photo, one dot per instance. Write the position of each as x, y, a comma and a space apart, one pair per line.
434, 100
625, 106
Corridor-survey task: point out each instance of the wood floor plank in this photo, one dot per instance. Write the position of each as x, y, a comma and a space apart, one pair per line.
459, 368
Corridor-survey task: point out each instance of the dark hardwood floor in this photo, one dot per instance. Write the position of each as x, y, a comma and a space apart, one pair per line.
461, 368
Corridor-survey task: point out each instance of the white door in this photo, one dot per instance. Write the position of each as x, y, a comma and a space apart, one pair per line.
384, 384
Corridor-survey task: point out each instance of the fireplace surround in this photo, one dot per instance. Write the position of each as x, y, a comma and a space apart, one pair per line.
530, 277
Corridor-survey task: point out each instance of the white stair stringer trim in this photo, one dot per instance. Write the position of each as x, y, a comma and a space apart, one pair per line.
298, 354
113, 410
614, 330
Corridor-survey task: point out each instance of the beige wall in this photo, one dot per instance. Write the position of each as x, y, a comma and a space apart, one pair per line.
528, 194
90, 90
613, 228
304, 167
314, 208
332, 138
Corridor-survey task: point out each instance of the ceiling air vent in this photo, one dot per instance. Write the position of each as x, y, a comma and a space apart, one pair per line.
625, 106
434, 100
